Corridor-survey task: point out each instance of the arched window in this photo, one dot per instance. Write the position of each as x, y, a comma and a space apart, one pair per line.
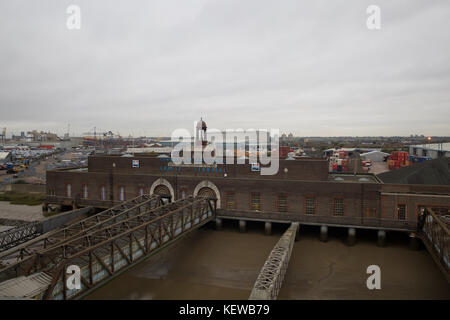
310, 205
282, 203
103, 193
182, 193
141, 191
338, 206
162, 190
122, 193
255, 201
230, 200
85, 191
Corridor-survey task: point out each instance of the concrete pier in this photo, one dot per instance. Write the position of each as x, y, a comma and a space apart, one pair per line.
297, 234
381, 238
414, 241
270, 279
242, 225
268, 228
351, 239
218, 223
323, 233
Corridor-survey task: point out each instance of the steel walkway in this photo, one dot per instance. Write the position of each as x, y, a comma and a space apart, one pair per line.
13, 260
435, 235
20, 234
111, 242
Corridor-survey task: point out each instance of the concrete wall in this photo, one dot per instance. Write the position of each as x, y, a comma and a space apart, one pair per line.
424, 151
63, 218
25, 188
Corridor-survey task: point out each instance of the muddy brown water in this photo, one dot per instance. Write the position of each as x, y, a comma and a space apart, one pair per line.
209, 264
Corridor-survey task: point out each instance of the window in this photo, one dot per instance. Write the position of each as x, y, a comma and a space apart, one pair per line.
338, 206
310, 205
282, 203
401, 212
85, 191
69, 190
141, 191
122, 193
255, 201
51, 192
103, 193
230, 202
182, 193
371, 212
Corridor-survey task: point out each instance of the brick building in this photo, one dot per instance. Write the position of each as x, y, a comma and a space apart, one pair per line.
302, 190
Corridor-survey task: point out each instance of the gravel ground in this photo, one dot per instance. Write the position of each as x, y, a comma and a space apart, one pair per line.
20, 212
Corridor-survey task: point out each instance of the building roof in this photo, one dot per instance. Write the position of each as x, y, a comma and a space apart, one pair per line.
347, 177
4, 155
433, 146
431, 172
373, 152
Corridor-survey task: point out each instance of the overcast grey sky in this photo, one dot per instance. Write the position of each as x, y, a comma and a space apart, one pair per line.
148, 67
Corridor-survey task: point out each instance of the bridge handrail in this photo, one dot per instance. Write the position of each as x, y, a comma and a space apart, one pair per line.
131, 245
372, 222
128, 231
62, 248
8, 238
436, 237
438, 220
77, 224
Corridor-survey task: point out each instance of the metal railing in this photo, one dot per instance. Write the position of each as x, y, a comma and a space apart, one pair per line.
12, 260
106, 252
436, 237
315, 219
18, 235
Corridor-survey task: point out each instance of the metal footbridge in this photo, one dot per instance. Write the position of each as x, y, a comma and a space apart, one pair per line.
101, 246
435, 235
20, 234
270, 279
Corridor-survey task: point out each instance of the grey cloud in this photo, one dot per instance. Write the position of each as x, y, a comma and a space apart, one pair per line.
148, 67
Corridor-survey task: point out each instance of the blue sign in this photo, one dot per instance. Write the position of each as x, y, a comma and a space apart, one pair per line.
256, 167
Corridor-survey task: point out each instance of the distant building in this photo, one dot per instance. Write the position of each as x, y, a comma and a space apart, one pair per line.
41, 136
374, 156
433, 150
290, 137
158, 150
5, 157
